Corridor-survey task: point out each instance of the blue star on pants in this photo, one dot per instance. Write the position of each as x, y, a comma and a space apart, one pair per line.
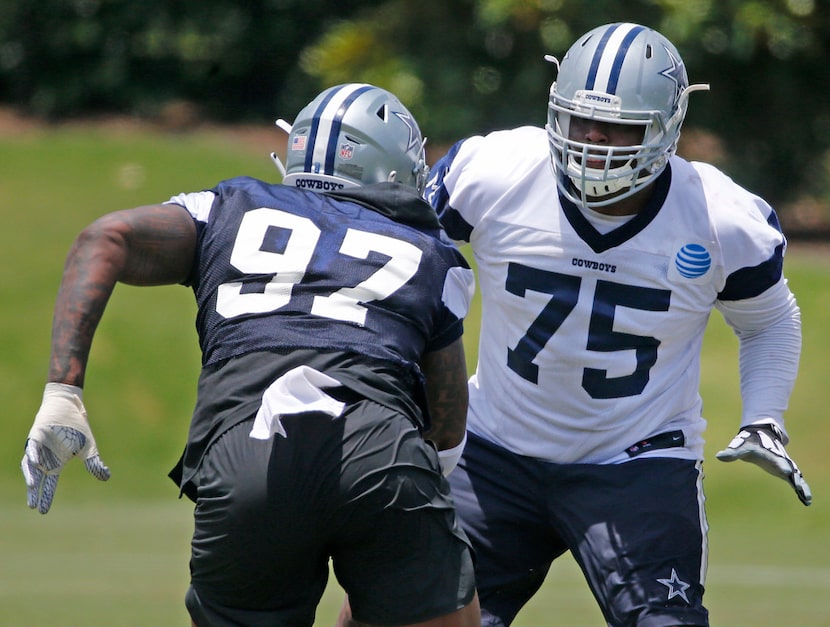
677, 588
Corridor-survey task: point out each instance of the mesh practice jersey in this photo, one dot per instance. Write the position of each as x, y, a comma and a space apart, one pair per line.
359, 286
590, 342
280, 269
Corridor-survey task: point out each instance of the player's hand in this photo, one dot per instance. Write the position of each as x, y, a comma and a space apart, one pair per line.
59, 433
762, 444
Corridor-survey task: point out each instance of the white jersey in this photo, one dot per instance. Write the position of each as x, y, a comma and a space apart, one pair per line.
590, 343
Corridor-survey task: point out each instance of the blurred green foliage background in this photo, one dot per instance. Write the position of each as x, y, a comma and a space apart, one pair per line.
462, 66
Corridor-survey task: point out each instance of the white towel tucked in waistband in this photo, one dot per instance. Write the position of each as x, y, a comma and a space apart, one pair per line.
295, 392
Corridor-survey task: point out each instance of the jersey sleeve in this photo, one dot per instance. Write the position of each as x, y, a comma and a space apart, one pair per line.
198, 204
755, 300
748, 233
442, 187
762, 264
476, 173
457, 294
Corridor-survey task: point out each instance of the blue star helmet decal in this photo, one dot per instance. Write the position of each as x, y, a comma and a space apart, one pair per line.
676, 73
414, 134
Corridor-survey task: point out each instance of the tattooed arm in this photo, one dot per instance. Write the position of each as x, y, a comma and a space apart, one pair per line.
446, 375
150, 245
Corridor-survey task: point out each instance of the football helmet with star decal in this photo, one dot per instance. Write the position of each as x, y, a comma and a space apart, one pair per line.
618, 73
351, 135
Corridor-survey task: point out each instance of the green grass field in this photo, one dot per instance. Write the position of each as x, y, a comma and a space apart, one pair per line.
116, 554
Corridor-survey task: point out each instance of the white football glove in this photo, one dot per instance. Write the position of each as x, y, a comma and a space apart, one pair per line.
59, 433
762, 444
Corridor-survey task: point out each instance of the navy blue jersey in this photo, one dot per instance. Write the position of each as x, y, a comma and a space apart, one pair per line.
280, 269
358, 286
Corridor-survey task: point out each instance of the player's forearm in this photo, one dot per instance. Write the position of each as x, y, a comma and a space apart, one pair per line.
447, 395
768, 367
89, 277
768, 327
150, 245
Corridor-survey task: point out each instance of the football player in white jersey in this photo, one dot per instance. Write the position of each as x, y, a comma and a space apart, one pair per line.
330, 327
601, 255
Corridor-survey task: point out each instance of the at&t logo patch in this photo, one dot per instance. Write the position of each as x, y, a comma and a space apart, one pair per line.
692, 261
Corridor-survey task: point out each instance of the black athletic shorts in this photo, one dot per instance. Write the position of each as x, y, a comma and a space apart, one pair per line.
638, 531
363, 489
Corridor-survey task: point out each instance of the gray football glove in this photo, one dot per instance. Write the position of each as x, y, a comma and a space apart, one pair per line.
762, 444
59, 433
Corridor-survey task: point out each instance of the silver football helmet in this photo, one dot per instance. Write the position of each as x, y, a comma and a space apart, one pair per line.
351, 135
621, 74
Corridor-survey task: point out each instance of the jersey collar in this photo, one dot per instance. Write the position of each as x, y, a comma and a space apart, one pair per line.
397, 201
599, 242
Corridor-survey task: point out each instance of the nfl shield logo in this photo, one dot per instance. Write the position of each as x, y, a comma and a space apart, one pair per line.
346, 151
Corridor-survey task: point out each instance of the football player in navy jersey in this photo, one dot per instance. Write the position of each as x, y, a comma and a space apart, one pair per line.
332, 399
600, 257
